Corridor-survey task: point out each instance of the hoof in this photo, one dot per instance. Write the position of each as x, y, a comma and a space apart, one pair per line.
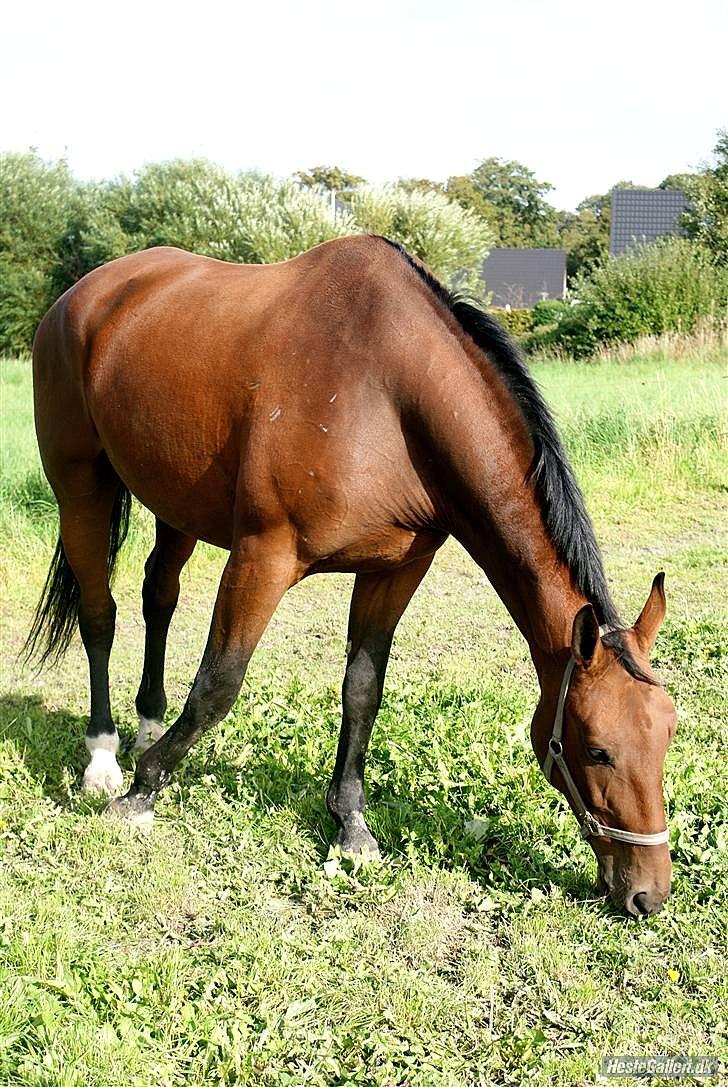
103, 774
133, 808
354, 837
150, 729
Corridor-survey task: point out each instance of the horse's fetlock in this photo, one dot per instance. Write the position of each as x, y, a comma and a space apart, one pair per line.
151, 704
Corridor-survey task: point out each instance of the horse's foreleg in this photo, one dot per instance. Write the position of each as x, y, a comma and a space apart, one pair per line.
377, 604
257, 574
160, 593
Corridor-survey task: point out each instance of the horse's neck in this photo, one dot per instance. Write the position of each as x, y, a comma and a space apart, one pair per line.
483, 455
530, 580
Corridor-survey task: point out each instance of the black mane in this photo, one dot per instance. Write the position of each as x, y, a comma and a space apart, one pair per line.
562, 503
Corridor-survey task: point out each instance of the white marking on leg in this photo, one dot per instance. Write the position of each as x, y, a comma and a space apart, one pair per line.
150, 729
143, 820
124, 810
103, 773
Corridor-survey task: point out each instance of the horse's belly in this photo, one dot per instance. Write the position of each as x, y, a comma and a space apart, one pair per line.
201, 507
386, 550
185, 476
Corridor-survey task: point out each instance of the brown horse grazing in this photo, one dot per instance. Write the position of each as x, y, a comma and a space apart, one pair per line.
340, 411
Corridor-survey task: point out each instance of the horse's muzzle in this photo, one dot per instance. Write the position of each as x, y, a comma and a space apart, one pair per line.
644, 903
638, 903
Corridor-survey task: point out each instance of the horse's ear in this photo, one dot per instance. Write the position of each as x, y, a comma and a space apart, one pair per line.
586, 644
651, 616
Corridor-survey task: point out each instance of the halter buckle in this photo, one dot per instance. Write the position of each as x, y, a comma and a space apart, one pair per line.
556, 748
590, 827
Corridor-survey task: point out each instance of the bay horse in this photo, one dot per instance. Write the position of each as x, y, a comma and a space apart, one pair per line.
341, 411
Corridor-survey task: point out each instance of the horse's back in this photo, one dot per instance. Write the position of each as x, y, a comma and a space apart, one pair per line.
212, 386
165, 307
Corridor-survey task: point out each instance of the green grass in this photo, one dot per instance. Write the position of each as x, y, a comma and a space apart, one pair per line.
227, 948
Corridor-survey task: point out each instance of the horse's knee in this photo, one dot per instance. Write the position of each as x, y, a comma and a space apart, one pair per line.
97, 623
160, 593
361, 690
214, 691
160, 590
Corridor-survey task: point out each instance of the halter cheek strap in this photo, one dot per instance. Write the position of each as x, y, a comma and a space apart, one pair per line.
590, 826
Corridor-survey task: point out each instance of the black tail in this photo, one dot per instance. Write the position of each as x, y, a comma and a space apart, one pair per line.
57, 613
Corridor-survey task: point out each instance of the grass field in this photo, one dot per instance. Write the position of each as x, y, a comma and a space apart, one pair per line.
225, 948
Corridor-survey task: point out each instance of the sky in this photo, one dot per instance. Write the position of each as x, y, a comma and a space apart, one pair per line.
584, 94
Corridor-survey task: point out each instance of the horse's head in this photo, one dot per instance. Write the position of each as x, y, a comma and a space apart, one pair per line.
603, 747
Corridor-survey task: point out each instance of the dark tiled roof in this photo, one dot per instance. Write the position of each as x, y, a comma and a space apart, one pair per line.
643, 215
521, 277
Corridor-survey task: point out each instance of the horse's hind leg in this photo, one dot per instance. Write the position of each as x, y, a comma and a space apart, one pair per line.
160, 593
257, 574
87, 494
377, 604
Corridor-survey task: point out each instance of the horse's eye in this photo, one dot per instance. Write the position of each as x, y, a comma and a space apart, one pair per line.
598, 754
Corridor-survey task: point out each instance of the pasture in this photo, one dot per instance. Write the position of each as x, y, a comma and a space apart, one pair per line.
229, 946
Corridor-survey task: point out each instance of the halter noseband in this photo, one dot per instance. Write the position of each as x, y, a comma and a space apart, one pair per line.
590, 827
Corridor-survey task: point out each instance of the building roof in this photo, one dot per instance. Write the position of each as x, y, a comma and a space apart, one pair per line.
521, 277
643, 215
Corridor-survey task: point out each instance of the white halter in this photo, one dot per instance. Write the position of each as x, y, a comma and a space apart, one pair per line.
590, 827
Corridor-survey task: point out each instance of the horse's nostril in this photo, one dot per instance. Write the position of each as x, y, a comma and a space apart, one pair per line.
644, 904
641, 903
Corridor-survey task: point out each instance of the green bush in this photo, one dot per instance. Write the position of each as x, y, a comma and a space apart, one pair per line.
198, 206
255, 219
39, 203
549, 312
671, 285
25, 294
278, 220
519, 322
54, 230
451, 240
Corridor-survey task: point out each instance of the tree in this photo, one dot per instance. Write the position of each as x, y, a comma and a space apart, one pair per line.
677, 181
509, 196
707, 217
39, 204
53, 229
584, 234
279, 220
453, 241
332, 178
465, 192
420, 184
